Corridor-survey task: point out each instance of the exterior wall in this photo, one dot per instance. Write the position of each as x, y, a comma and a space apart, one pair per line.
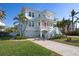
30, 30
2, 26
39, 17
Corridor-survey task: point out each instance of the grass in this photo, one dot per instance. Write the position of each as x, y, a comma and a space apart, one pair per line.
23, 48
74, 41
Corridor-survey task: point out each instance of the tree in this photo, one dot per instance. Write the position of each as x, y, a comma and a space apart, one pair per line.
67, 23
76, 21
22, 21
61, 25
72, 15
64, 24
2, 15
9, 29
15, 28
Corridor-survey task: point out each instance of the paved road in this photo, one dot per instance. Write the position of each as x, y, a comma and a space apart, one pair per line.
63, 49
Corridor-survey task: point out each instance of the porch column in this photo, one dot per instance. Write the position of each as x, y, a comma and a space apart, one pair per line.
40, 34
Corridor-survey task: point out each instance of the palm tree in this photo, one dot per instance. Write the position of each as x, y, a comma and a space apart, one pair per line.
22, 21
72, 15
64, 24
61, 25
15, 27
67, 23
2, 15
76, 22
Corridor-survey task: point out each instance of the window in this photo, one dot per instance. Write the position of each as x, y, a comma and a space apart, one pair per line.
39, 23
29, 24
51, 24
39, 15
32, 23
45, 24
30, 14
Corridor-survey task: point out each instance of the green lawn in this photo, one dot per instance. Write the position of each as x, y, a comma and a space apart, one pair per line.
74, 41
23, 48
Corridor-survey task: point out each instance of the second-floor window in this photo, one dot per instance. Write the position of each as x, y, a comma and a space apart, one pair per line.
29, 24
32, 23
30, 14
39, 23
45, 24
39, 15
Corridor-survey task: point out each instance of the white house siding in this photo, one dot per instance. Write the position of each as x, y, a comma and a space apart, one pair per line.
44, 17
2, 26
32, 31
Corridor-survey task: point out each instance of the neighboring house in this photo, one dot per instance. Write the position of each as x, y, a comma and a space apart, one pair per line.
40, 24
2, 26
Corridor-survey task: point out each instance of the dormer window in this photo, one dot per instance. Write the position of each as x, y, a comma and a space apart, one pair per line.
30, 14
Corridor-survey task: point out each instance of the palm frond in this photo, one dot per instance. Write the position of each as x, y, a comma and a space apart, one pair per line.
2, 14
76, 19
15, 18
23, 9
16, 22
25, 18
76, 13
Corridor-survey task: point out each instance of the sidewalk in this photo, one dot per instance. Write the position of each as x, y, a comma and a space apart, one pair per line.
63, 49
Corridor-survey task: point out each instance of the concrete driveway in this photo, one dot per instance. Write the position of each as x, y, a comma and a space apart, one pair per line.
60, 48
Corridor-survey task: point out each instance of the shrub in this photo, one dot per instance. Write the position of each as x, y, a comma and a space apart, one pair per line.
19, 37
68, 39
5, 37
72, 33
60, 36
57, 37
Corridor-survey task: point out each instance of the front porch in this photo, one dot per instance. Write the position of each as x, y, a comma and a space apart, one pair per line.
43, 33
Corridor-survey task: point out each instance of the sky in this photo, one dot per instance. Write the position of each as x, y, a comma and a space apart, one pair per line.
60, 9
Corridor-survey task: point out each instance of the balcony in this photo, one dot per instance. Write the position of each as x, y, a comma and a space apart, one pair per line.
43, 27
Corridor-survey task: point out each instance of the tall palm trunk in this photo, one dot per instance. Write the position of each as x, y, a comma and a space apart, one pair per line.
72, 23
76, 27
20, 27
23, 28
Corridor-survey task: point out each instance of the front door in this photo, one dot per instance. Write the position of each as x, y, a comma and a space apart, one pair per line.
44, 32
